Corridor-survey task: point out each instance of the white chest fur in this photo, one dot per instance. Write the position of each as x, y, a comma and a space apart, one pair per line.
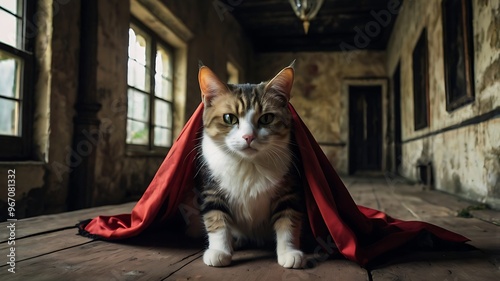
249, 184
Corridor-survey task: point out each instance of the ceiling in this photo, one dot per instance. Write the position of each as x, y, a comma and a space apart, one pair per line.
339, 25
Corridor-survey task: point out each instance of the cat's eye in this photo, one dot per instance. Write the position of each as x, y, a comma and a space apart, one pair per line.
230, 119
266, 119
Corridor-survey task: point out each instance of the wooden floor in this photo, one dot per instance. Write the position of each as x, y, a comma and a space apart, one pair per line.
47, 247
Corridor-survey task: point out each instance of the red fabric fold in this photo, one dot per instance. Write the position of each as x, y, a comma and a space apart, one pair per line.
361, 234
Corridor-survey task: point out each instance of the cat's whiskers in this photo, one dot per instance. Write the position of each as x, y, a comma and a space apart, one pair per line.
292, 145
196, 148
244, 190
273, 159
276, 155
202, 164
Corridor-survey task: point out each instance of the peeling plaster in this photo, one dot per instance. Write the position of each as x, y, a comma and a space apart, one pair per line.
491, 75
494, 29
464, 160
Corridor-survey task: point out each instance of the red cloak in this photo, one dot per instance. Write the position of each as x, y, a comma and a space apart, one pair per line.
361, 234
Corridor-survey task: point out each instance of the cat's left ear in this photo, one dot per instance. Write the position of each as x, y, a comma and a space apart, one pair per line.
282, 82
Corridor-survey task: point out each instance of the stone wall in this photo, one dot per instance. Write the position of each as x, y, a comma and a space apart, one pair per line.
111, 177
118, 175
318, 94
466, 160
44, 184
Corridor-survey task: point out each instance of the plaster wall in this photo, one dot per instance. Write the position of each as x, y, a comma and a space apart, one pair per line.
463, 159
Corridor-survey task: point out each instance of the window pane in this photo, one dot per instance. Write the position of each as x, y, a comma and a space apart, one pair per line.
137, 132
10, 26
139, 46
138, 76
163, 87
163, 113
163, 61
9, 114
11, 6
138, 106
163, 137
458, 53
10, 75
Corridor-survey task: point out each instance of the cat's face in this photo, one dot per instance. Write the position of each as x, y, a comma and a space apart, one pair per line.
247, 119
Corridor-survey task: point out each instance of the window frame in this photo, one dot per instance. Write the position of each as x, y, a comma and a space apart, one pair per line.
462, 77
151, 148
420, 67
20, 147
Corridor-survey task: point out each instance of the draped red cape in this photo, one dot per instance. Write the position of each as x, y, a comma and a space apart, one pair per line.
360, 234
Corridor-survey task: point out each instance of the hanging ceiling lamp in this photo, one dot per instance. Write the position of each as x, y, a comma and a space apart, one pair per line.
306, 10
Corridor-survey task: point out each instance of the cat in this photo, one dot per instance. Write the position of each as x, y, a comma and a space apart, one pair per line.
250, 188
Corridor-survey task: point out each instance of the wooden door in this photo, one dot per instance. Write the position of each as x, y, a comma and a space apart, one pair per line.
365, 128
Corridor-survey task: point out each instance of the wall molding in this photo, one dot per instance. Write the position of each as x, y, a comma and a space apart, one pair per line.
490, 115
332, 143
160, 17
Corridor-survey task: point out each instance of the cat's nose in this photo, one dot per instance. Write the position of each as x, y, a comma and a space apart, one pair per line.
249, 138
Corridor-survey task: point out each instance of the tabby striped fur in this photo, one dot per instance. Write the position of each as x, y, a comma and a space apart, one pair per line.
249, 186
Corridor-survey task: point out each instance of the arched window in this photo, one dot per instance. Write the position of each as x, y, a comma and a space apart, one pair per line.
16, 79
150, 91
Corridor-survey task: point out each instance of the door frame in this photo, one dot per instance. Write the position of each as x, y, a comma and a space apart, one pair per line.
397, 120
344, 122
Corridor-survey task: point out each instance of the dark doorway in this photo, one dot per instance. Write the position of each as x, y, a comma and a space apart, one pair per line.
396, 84
365, 128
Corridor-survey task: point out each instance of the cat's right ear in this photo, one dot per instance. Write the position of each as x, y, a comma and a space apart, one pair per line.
210, 85
282, 82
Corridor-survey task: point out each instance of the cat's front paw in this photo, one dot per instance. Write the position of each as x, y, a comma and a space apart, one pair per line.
213, 257
291, 259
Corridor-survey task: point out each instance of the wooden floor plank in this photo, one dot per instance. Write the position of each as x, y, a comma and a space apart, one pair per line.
455, 204
487, 215
50, 252
101, 261
152, 257
41, 224
363, 194
408, 203
480, 264
467, 266
257, 265
44, 244
381, 197
484, 236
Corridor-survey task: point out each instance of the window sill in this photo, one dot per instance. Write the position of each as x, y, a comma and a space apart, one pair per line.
139, 153
17, 163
